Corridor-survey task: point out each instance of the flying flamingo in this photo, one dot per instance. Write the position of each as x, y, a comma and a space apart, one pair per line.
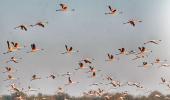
122, 51
81, 66
8, 70
153, 41
69, 50
63, 7
10, 77
52, 76
34, 48
133, 22
112, 11
111, 57
34, 77
70, 81
22, 27
41, 24
146, 64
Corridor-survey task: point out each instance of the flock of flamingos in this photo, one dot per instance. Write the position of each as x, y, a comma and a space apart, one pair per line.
141, 52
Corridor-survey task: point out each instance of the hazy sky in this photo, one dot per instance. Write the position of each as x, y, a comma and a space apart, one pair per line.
91, 32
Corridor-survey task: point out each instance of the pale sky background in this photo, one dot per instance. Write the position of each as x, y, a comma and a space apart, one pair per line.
92, 32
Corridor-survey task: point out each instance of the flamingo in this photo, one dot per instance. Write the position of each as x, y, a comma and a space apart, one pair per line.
69, 50
52, 76
8, 70
163, 80
15, 46
13, 59
81, 66
70, 81
112, 11
34, 77
115, 83
146, 64
34, 48
143, 50
63, 7
10, 48
14, 88
31, 89
122, 51
132, 22
41, 24
22, 27
100, 91
109, 78
135, 84
153, 41
10, 77
87, 60
111, 57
